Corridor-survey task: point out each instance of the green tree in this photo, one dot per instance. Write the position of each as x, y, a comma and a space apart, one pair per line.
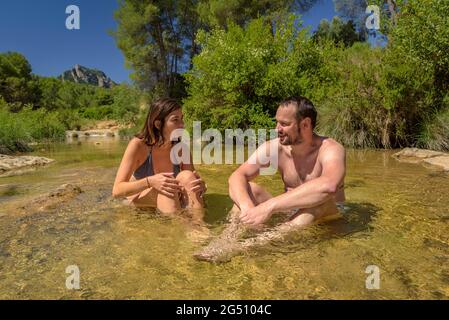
420, 40
158, 37
338, 31
217, 13
154, 36
352, 10
14, 65
243, 73
392, 97
355, 10
49, 88
17, 85
126, 103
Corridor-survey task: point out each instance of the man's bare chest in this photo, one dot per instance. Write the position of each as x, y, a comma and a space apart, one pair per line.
296, 171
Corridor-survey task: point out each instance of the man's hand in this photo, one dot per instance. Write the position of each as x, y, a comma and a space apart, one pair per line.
257, 215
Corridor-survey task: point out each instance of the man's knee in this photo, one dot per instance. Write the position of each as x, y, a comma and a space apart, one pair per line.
260, 194
256, 190
325, 209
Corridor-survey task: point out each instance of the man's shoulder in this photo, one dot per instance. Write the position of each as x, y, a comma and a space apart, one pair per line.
329, 145
329, 142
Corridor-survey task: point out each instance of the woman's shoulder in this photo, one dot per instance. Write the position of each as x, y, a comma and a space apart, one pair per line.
138, 145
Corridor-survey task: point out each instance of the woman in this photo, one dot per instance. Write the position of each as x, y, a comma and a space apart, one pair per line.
147, 176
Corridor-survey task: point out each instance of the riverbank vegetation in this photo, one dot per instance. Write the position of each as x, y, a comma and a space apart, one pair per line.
381, 97
231, 62
385, 88
34, 108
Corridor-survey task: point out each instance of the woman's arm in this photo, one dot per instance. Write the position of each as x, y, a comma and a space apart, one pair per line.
122, 186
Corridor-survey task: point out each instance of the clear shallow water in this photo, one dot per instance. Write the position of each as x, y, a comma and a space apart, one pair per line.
397, 219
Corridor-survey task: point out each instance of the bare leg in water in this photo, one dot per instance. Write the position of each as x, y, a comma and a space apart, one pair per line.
228, 245
188, 206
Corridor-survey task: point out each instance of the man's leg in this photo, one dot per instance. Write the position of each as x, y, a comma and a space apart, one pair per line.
227, 241
302, 219
258, 195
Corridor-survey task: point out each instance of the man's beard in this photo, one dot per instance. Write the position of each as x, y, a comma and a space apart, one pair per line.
288, 141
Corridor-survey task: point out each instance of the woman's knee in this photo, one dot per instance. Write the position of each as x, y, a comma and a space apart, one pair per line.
190, 199
185, 177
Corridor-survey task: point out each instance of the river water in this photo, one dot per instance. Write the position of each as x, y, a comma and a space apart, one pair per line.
396, 219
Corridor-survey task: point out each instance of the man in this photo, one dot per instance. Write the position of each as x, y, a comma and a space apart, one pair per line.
312, 169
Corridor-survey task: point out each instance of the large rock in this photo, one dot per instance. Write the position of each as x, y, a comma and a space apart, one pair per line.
415, 155
80, 74
8, 163
51, 200
442, 162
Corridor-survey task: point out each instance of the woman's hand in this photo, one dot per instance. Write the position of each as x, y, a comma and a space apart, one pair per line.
164, 183
197, 186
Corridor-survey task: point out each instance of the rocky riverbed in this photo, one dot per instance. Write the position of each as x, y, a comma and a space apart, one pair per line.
14, 164
426, 157
106, 128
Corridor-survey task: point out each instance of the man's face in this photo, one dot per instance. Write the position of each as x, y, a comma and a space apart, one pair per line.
287, 126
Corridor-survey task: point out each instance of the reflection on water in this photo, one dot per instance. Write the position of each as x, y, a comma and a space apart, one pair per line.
396, 218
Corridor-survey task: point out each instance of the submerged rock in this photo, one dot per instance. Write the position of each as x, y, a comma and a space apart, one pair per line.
104, 133
441, 161
52, 199
8, 163
415, 155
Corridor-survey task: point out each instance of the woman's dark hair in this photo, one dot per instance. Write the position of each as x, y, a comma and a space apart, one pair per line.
159, 110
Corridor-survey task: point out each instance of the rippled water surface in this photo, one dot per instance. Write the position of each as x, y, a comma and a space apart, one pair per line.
397, 219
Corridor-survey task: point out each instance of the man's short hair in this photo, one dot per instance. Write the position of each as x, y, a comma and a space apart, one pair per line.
304, 108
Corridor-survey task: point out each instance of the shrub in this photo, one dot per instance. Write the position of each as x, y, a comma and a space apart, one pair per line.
241, 74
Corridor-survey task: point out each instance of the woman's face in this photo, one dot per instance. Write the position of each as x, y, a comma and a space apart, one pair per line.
173, 121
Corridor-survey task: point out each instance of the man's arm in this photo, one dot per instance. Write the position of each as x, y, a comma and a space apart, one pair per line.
319, 190
309, 194
239, 180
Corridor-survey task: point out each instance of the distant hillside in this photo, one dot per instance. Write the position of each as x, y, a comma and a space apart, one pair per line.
80, 74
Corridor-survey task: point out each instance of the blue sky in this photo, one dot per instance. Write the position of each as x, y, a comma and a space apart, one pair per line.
36, 28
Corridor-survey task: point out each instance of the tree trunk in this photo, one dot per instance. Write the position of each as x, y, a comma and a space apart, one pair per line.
392, 9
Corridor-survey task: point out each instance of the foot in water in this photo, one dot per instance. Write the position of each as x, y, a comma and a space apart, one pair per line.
219, 251
200, 236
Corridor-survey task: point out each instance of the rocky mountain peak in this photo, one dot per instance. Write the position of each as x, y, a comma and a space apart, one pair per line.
80, 74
